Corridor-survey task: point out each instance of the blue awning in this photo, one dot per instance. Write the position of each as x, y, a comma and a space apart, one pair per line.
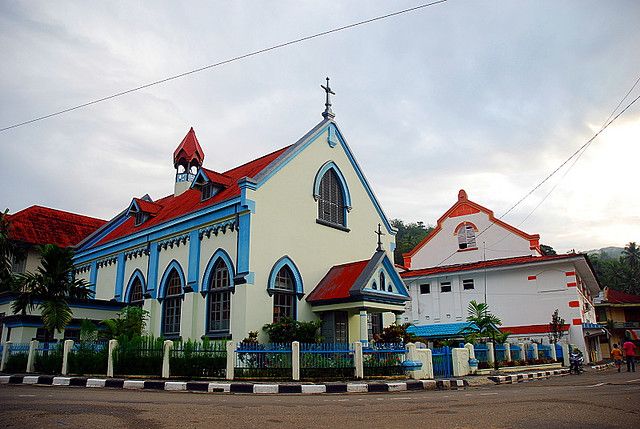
440, 330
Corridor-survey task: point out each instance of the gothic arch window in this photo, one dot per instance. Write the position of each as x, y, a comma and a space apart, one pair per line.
219, 298
332, 194
284, 295
136, 296
172, 304
466, 233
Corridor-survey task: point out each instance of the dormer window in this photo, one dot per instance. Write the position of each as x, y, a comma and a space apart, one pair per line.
141, 217
207, 191
467, 236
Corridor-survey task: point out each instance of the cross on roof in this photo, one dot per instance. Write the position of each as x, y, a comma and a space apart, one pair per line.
328, 114
379, 233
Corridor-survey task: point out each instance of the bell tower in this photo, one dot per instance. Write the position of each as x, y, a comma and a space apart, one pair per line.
187, 159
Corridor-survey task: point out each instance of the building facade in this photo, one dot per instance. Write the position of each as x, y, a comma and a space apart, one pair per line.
471, 255
229, 252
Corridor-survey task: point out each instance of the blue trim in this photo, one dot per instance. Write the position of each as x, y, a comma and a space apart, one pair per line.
136, 274
199, 174
113, 224
152, 271
243, 245
119, 277
394, 277
93, 276
163, 283
194, 260
134, 205
218, 254
180, 224
285, 260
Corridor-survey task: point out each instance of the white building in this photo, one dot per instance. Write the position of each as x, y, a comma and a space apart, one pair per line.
230, 251
471, 255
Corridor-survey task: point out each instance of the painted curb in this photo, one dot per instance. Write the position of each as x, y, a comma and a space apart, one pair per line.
246, 388
525, 377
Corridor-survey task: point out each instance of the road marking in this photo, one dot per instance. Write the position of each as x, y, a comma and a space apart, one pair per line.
26, 396
487, 394
596, 385
632, 381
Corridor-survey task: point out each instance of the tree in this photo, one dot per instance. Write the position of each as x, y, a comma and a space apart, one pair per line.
130, 322
7, 251
397, 334
408, 237
556, 326
547, 250
483, 325
50, 288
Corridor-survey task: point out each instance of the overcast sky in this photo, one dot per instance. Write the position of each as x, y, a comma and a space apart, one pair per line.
483, 95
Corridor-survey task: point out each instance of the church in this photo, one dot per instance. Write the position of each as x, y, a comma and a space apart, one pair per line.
289, 234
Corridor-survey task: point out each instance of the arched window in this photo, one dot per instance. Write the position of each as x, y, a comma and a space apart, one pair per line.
219, 298
135, 292
172, 305
466, 236
383, 281
331, 207
374, 286
284, 295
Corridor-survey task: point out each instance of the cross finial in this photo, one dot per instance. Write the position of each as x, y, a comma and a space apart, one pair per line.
379, 233
328, 114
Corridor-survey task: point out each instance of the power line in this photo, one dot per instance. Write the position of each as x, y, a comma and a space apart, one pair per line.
227, 61
578, 153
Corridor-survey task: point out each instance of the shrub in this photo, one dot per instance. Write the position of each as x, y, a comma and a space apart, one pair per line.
288, 330
397, 334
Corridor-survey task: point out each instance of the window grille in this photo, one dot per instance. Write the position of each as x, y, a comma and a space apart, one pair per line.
331, 200
219, 298
445, 287
467, 284
284, 302
140, 218
207, 191
172, 305
466, 237
135, 295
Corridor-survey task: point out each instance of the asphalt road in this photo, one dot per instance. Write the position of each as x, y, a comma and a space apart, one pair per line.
605, 399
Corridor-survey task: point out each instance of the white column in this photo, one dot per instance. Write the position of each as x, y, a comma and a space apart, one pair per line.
5, 354
552, 348
460, 359
295, 360
472, 351
112, 346
534, 348
426, 357
364, 327
166, 354
398, 319
358, 360
491, 355
68, 345
523, 352
33, 345
186, 320
507, 352
231, 355
565, 354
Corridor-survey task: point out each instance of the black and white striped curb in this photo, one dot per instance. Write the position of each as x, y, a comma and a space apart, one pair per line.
603, 366
218, 387
519, 378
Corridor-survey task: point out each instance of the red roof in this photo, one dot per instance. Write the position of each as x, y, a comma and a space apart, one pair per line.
218, 178
519, 260
189, 201
148, 206
43, 225
613, 296
337, 283
530, 329
188, 150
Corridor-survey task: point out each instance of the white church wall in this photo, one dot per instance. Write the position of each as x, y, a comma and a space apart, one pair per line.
105, 282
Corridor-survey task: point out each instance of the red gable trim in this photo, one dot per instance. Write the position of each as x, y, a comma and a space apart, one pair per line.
463, 207
572, 284
570, 273
530, 329
574, 303
519, 260
532, 277
43, 225
576, 322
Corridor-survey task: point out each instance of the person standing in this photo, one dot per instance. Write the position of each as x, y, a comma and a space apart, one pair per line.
630, 355
616, 354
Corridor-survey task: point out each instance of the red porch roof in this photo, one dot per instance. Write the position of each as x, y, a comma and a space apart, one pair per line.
613, 296
43, 225
337, 282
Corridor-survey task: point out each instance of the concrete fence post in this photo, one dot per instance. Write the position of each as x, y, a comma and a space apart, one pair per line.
426, 357
358, 360
5, 355
231, 355
523, 352
552, 349
460, 360
491, 354
113, 344
565, 354
472, 351
507, 352
166, 355
534, 350
68, 345
295, 360
33, 345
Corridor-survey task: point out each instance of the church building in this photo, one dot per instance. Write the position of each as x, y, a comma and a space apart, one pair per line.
289, 234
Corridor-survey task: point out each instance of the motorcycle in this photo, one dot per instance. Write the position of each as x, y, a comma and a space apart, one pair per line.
576, 362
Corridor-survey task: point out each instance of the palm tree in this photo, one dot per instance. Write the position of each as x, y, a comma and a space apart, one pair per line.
483, 325
631, 255
50, 288
7, 250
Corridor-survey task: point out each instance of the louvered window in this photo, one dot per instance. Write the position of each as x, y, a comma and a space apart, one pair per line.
466, 237
141, 217
284, 295
331, 200
135, 295
172, 306
219, 298
207, 191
